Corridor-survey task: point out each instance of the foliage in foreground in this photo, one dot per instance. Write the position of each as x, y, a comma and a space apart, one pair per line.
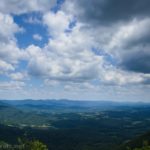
146, 146
24, 145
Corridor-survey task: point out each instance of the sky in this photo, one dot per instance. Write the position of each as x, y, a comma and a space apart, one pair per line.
75, 49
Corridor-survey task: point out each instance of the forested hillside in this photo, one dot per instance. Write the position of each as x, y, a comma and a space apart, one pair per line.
60, 127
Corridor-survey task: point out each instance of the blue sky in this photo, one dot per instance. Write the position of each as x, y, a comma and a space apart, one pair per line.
75, 50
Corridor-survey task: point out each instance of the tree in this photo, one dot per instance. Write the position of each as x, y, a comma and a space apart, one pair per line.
35, 145
32, 145
146, 146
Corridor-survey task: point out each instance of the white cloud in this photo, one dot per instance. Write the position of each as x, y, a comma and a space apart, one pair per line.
7, 28
77, 68
57, 22
18, 76
37, 37
118, 77
5, 67
10, 54
12, 85
9, 50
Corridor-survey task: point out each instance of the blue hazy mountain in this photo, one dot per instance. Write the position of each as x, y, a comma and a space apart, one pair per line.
68, 105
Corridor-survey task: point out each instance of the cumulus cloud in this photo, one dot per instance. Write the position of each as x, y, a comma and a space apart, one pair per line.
77, 68
7, 28
67, 56
120, 28
10, 53
56, 22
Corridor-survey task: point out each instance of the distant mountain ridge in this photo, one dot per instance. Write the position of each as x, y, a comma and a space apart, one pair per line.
71, 102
